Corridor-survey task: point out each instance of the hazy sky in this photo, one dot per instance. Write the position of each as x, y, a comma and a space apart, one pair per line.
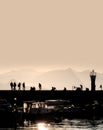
51, 34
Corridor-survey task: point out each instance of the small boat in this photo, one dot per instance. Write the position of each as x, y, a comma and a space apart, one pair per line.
48, 109
33, 110
33, 107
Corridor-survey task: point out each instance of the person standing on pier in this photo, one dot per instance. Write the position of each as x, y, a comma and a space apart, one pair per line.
14, 86
23, 86
11, 84
19, 86
40, 86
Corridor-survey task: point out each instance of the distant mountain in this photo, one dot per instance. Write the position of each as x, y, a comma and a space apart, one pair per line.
59, 79
22, 75
56, 78
68, 78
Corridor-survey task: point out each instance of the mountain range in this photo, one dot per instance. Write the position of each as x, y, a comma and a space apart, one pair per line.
55, 78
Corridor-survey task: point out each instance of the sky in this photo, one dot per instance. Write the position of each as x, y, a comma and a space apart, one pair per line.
46, 34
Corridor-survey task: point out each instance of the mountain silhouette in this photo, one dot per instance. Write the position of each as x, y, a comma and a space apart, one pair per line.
55, 78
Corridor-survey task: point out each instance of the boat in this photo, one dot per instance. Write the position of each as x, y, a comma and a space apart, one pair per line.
34, 107
48, 109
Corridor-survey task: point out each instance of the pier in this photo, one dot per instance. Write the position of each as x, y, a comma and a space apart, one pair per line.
77, 96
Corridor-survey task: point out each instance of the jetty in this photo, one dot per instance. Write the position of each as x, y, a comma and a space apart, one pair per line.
77, 96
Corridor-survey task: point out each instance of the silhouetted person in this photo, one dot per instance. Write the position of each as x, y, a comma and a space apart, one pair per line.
23, 86
65, 89
14, 86
74, 87
11, 84
32, 88
40, 86
53, 88
101, 87
81, 86
87, 89
19, 86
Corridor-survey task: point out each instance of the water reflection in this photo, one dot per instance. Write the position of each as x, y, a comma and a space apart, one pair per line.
66, 124
42, 126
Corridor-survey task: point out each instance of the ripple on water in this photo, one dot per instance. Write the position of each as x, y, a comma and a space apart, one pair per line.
75, 124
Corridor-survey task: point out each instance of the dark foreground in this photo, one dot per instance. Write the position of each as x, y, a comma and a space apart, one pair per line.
65, 124
87, 105
16, 119
76, 97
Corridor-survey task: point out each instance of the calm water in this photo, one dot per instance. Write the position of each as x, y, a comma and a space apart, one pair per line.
63, 125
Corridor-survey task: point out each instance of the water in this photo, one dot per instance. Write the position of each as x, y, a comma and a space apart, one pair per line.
75, 124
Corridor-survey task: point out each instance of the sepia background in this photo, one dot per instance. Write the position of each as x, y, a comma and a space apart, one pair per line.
46, 35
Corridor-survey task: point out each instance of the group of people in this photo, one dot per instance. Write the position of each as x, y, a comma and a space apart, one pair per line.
19, 85
39, 86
